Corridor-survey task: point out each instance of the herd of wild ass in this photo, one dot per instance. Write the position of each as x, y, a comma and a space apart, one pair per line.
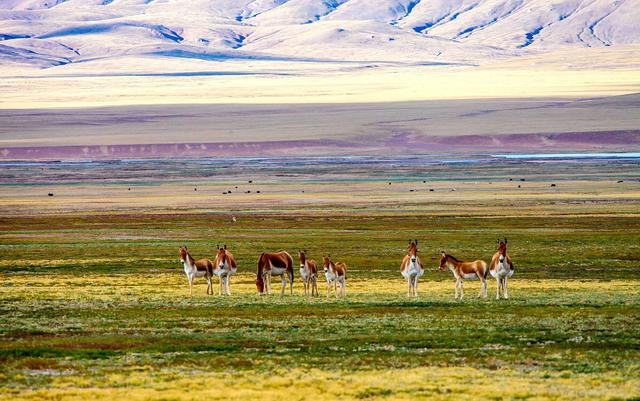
335, 273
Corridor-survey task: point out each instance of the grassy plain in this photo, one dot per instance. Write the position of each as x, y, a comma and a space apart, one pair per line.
94, 304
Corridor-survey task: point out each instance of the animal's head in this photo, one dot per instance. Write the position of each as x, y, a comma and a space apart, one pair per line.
259, 284
326, 262
412, 250
222, 259
502, 249
303, 258
443, 260
183, 253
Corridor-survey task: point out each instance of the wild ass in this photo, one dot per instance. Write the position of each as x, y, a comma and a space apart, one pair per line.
465, 270
501, 269
309, 274
274, 264
196, 268
411, 268
335, 273
224, 267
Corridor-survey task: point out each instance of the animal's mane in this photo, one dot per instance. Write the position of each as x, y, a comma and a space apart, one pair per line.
452, 257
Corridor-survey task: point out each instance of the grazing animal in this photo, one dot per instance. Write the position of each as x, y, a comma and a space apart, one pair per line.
196, 268
335, 273
274, 264
465, 270
309, 274
411, 268
501, 269
224, 267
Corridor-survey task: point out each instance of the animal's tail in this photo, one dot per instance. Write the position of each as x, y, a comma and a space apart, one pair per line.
290, 260
486, 269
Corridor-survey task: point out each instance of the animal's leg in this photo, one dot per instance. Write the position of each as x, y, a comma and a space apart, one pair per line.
335, 287
506, 288
456, 290
461, 289
482, 282
409, 286
415, 287
498, 284
284, 284
190, 286
328, 288
291, 282
209, 286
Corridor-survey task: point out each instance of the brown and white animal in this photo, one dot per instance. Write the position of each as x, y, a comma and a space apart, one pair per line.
309, 274
411, 268
465, 270
196, 268
335, 273
274, 264
501, 269
224, 267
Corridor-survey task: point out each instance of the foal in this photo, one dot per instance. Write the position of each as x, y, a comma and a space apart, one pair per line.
309, 274
468, 270
336, 273
411, 268
196, 268
501, 269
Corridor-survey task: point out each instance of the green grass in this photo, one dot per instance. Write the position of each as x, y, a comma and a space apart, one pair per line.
97, 306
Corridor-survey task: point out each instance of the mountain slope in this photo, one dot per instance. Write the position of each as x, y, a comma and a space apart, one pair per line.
47, 33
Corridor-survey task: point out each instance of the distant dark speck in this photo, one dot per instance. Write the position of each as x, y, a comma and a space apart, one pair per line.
50, 194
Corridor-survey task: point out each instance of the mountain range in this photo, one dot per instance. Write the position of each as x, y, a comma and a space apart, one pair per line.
50, 33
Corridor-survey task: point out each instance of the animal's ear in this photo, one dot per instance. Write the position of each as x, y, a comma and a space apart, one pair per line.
225, 247
505, 240
218, 246
416, 242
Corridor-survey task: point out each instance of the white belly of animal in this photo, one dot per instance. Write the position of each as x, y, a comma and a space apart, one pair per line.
470, 276
304, 273
193, 272
277, 271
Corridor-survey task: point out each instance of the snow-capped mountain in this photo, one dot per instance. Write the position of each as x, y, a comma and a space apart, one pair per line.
46, 33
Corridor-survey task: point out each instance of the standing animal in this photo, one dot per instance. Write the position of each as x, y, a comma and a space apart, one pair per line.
309, 274
411, 268
501, 269
335, 273
465, 270
196, 268
224, 267
274, 264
